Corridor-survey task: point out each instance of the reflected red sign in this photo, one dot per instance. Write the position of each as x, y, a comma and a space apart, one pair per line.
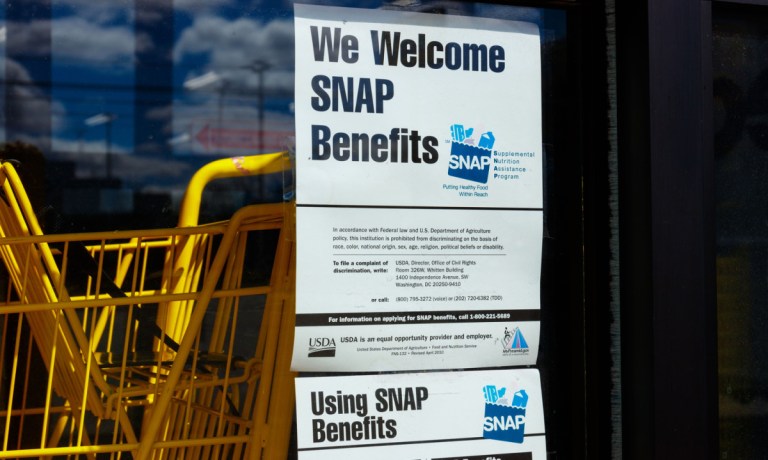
249, 139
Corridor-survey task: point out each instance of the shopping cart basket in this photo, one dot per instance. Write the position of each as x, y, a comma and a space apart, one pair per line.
148, 366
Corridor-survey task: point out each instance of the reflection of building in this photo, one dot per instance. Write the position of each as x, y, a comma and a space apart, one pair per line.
153, 76
85, 202
27, 101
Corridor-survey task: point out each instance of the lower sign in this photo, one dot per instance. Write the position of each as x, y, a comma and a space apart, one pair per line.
439, 416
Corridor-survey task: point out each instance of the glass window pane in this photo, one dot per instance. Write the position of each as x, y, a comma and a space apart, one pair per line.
111, 106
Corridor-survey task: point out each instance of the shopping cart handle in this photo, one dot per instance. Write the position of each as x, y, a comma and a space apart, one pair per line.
253, 165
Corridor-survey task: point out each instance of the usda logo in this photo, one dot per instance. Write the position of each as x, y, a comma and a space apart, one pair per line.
321, 347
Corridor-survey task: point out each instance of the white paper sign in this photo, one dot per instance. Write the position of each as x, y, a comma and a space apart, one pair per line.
439, 416
419, 191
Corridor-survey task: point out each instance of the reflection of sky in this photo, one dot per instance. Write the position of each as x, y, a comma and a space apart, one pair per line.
93, 68
233, 47
92, 49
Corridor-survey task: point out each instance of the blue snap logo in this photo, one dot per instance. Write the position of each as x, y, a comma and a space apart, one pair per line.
470, 158
504, 420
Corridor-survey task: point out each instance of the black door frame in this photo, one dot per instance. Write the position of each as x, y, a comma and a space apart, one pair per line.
668, 293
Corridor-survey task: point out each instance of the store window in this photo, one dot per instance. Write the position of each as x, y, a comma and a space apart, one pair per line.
110, 107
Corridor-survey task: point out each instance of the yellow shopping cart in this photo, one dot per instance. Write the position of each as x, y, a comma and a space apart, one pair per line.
145, 366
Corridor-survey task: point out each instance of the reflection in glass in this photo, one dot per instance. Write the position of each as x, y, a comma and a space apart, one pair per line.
180, 81
112, 105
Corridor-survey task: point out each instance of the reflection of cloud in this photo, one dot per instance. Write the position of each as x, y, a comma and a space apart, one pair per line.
76, 39
429, 6
110, 11
368, 4
232, 44
149, 11
32, 39
510, 13
161, 113
197, 6
27, 109
87, 146
232, 117
100, 12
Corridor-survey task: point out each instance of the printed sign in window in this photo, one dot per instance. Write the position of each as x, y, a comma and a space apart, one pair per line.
439, 416
419, 191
